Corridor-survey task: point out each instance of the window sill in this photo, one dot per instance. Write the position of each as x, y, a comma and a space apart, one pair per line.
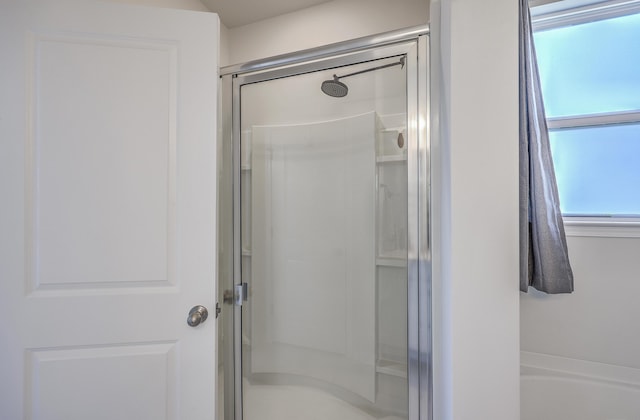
602, 227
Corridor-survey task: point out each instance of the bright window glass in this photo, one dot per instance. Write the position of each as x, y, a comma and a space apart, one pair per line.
598, 170
590, 68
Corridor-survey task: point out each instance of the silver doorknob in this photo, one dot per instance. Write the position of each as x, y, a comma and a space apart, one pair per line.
197, 315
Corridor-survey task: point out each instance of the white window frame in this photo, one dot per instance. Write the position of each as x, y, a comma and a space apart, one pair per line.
550, 14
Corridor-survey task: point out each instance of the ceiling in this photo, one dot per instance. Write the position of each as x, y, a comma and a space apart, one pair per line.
235, 13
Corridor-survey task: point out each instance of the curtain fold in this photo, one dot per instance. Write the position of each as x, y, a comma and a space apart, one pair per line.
544, 260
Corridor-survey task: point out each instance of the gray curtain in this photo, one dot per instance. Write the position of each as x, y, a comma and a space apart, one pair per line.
544, 261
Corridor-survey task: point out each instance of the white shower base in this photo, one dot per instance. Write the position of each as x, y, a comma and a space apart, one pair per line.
284, 402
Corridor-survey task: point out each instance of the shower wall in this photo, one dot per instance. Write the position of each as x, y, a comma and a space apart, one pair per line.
380, 91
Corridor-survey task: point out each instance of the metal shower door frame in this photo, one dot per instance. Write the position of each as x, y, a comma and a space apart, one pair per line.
414, 44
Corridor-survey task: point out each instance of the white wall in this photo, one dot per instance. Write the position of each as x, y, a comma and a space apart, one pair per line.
224, 45
599, 321
477, 372
326, 23
194, 5
588, 340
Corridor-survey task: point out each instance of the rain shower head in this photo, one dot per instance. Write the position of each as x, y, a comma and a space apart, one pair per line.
334, 87
337, 89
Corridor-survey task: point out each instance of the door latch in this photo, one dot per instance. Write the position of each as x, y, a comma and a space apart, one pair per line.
236, 296
241, 294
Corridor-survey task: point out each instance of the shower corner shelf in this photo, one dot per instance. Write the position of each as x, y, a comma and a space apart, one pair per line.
392, 368
393, 130
391, 158
391, 262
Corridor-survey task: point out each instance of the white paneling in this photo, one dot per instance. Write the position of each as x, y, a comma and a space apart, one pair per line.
102, 172
116, 382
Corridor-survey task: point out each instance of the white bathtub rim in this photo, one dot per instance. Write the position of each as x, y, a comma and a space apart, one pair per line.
539, 366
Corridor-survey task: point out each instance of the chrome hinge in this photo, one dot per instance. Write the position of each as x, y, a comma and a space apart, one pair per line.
240, 293
218, 309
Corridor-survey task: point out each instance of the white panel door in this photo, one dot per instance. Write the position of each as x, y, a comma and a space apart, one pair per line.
107, 226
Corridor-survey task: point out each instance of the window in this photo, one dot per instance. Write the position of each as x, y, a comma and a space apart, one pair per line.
589, 62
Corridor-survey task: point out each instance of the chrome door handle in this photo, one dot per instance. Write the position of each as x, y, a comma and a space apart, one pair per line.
197, 315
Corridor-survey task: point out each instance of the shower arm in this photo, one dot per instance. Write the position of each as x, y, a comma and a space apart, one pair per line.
401, 63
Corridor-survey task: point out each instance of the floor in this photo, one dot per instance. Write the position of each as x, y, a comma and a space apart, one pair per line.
282, 402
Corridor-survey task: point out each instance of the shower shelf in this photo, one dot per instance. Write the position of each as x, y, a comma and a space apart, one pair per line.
391, 158
393, 130
246, 252
392, 368
391, 262
245, 167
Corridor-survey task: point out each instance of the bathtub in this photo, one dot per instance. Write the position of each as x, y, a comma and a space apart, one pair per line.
558, 388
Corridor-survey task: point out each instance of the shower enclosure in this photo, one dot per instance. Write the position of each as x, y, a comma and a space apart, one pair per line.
324, 260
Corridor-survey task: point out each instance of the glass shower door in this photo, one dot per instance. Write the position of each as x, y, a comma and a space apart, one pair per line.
323, 232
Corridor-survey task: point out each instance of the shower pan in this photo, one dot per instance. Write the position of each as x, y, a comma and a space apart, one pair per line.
325, 270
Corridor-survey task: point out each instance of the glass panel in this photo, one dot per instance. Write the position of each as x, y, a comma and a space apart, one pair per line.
324, 239
598, 169
590, 68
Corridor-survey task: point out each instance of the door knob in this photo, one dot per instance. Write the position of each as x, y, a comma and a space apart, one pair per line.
197, 315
